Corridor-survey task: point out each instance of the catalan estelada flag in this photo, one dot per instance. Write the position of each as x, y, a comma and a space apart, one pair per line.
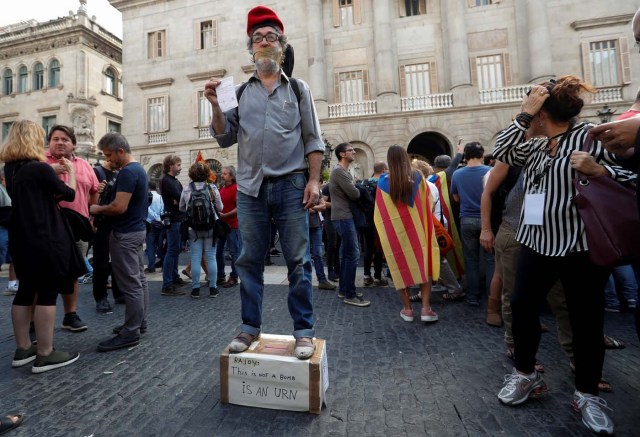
406, 234
455, 258
212, 175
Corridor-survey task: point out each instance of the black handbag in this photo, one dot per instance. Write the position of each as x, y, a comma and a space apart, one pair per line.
220, 228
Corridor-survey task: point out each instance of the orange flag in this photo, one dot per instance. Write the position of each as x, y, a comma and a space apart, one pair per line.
212, 175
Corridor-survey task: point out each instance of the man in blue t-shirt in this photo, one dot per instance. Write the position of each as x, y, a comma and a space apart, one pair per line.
466, 189
128, 211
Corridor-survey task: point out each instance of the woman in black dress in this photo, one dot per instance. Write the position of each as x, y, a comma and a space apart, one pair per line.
45, 257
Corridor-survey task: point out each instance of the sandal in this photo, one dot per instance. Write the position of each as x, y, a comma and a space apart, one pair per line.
242, 342
187, 274
612, 343
458, 295
7, 424
605, 386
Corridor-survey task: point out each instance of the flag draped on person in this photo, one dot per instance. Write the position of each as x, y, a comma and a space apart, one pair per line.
212, 175
455, 258
407, 235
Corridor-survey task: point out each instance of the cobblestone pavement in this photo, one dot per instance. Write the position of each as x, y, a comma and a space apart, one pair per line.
387, 377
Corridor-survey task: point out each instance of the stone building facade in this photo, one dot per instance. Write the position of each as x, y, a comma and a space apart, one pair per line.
63, 71
420, 73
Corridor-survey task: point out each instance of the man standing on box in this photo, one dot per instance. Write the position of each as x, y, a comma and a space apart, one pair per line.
128, 210
276, 128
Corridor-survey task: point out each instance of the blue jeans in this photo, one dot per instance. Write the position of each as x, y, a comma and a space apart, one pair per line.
621, 282
349, 256
470, 235
317, 251
234, 242
206, 242
170, 264
280, 198
153, 242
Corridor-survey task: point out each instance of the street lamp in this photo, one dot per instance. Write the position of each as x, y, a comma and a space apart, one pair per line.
605, 114
328, 152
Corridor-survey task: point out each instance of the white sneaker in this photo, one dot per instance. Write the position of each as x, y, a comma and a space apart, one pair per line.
10, 290
593, 412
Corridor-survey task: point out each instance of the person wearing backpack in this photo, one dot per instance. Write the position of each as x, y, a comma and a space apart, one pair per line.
278, 137
372, 248
201, 201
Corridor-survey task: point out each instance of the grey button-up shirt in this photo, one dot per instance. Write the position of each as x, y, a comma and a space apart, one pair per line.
273, 134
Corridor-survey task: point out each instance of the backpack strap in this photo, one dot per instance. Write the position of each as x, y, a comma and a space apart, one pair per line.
294, 86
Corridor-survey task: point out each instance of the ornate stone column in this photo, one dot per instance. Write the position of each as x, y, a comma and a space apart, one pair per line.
539, 53
388, 98
317, 64
457, 52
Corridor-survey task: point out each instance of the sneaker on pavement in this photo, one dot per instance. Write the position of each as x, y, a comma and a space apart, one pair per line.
518, 388
242, 342
341, 295
437, 288
73, 323
10, 290
150, 270
103, 306
326, 285
593, 412
180, 281
428, 315
406, 315
117, 342
304, 348
195, 293
24, 356
221, 280
56, 359
334, 278
357, 301
367, 281
172, 291
213, 292
382, 282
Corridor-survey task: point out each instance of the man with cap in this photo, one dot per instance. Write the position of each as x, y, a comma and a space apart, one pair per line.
275, 131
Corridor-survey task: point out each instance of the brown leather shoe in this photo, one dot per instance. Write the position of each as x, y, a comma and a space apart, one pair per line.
230, 282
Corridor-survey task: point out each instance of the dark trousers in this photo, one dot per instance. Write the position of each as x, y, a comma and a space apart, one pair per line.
583, 284
333, 247
371, 253
102, 266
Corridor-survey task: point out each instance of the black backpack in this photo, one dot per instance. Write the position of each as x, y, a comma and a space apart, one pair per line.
362, 209
200, 209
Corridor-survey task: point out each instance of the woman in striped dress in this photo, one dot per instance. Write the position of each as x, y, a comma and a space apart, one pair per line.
554, 245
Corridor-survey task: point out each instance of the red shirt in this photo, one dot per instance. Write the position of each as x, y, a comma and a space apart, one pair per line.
86, 184
628, 114
229, 195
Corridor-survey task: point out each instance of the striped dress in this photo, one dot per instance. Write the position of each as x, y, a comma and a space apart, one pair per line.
562, 230
407, 235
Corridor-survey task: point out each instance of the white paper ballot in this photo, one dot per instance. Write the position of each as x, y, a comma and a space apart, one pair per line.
226, 92
534, 209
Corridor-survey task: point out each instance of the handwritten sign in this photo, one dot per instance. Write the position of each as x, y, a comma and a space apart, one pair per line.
267, 376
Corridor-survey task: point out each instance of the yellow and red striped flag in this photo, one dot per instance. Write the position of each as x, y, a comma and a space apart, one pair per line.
407, 235
212, 175
455, 257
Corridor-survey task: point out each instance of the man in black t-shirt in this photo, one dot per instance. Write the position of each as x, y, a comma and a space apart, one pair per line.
128, 211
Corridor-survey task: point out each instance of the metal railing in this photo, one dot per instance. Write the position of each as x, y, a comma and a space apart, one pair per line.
431, 101
353, 109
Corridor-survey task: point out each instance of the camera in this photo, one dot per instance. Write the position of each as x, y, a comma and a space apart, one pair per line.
166, 219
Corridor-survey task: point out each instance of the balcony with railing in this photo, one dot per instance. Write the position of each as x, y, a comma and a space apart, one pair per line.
608, 94
431, 101
158, 138
353, 109
504, 94
203, 133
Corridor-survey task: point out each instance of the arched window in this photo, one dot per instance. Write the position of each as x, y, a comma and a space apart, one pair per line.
110, 82
155, 174
38, 76
7, 82
54, 73
23, 76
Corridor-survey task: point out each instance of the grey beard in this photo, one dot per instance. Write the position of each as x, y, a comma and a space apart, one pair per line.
267, 66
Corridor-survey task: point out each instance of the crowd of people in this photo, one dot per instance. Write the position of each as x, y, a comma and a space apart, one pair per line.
498, 231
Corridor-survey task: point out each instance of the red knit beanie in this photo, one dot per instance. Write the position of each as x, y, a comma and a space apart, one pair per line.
261, 16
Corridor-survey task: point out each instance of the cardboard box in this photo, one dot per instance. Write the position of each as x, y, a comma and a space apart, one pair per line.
268, 375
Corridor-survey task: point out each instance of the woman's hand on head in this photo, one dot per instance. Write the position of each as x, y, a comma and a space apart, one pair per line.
532, 103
